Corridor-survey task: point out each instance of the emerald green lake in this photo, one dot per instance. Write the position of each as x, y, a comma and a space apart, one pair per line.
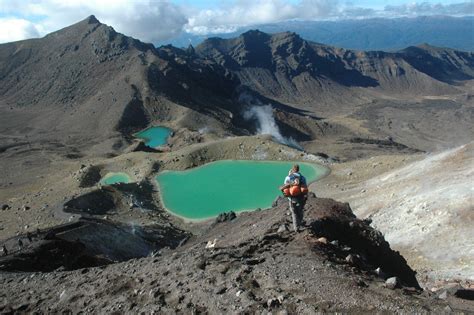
223, 186
154, 136
115, 178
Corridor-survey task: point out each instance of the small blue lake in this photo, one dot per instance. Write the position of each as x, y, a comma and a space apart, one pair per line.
115, 178
154, 136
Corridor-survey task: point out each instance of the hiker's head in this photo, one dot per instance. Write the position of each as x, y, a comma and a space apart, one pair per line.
295, 168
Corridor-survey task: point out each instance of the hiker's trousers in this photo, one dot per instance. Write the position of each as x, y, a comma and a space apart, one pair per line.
296, 207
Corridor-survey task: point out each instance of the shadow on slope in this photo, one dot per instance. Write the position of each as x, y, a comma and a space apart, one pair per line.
85, 243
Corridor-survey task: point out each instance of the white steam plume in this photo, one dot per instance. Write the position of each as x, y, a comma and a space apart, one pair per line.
267, 124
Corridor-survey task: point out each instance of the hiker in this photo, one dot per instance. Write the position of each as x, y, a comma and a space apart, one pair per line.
295, 188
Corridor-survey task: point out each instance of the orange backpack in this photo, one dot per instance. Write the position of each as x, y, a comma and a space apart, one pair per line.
295, 190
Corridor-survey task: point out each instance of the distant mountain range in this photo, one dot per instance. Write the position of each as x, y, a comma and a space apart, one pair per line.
366, 34
286, 68
89, 79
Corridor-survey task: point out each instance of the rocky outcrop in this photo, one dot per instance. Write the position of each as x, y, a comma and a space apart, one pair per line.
89, 176
96, 202
85, 243
116, 197
369, 250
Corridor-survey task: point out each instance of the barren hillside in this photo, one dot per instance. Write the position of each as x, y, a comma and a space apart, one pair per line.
424, 208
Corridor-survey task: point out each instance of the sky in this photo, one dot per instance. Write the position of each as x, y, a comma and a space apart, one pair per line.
157, 20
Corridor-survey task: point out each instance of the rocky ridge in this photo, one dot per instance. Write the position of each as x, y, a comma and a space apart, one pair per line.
251, 263
289, 69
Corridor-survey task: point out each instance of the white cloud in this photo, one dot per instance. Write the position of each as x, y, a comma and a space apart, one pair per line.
425, 8
242, 13
12, 29
313, 9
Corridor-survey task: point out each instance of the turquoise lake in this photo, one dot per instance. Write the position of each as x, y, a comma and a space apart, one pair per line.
115, 178
222, 186
154, 136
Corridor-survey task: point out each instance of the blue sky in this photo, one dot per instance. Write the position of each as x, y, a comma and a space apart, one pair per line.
155, 20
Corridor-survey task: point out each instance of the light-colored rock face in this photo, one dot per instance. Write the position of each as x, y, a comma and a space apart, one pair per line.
425, 209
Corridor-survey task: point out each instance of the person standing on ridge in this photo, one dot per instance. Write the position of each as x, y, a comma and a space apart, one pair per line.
295, 188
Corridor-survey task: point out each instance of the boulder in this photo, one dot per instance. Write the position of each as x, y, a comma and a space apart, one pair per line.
350, 259
392, 283
322, 240
273, 302
443, 295
282, 228
220, 290
466, 294
226, 216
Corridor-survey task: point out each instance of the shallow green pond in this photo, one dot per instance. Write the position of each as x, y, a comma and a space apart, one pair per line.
223, 186
154, 136
115, 178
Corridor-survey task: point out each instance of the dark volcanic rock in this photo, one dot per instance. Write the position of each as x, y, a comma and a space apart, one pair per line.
465, 294
90, 176
86, 243
341, 224
96, 202
226, 216
117, 197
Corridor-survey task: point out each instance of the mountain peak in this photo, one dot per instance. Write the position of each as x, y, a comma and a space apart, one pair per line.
425, 48
430, 47
254, 34
91, 19
85, 26
287, 37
